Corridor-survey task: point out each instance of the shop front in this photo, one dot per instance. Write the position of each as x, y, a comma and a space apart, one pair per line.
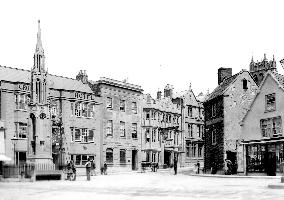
265, 157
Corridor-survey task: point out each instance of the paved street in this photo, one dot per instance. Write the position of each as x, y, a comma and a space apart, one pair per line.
150, 185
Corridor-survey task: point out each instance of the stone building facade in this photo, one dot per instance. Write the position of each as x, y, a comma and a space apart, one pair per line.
224, 109
261, 150
162, 138
192, 123
120, 122
48, 118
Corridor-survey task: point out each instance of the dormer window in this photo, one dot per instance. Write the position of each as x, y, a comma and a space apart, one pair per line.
245, 84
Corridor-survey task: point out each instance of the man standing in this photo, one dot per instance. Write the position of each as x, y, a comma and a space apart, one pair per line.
88, 169
105, 168
175, 165
198, 167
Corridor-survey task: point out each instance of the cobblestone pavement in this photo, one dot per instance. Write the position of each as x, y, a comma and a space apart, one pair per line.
137, 186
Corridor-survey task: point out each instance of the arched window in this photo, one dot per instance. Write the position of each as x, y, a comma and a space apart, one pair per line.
109, 155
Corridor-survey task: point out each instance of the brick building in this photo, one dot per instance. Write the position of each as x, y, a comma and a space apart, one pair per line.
262, 140
121, 122
224, 109
162, 138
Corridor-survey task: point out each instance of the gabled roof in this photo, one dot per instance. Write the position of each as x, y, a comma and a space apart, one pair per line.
56, 82
279, 79
220, 89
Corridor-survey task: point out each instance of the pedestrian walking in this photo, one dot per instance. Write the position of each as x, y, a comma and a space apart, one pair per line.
93, 168
175, 165
198, 167
73, 170
88, 169
105, 168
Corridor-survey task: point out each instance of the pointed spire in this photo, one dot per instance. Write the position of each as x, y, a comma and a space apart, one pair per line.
190, 87
264, 58
252, 59
273, 58
39, 44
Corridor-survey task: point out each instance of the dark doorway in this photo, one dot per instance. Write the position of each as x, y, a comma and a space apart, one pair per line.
270, 163
134, 160
232, 164
167, 158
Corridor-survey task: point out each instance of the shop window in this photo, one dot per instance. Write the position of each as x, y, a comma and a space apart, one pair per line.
270, 102
187, 148
81, 160
200, 150
122, 156
84, 159
122, 129
78, 160
109, 155
193, 150
153, 157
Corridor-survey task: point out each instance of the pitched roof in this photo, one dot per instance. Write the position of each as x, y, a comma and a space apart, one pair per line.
56, 82
220, 89
279, 79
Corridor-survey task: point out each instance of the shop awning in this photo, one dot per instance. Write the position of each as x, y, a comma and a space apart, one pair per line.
4, 158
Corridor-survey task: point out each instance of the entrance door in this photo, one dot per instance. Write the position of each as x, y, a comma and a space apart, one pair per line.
270, 164
134, 160
167, 158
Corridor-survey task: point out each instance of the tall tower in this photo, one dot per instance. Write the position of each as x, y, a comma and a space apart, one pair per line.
40, 148
259, 69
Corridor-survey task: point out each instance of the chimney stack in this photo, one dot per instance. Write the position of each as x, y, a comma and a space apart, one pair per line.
159, 95
224, 73
168, 91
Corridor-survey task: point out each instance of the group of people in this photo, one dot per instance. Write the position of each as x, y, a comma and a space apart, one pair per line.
71, 171
91, 169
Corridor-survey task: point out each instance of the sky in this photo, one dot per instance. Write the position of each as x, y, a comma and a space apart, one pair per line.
151, 42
